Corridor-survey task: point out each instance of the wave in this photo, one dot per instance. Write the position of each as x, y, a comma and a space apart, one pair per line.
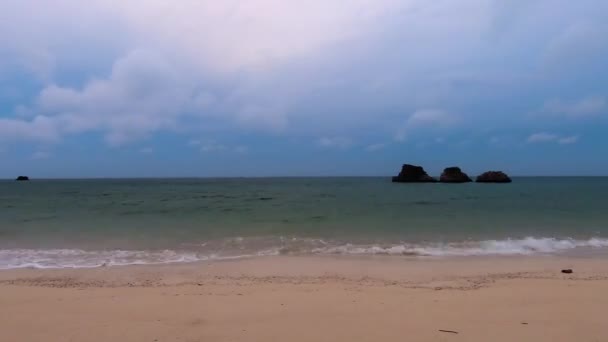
527, 246
77, 258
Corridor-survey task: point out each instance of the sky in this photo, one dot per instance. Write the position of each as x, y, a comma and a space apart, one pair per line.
206, 88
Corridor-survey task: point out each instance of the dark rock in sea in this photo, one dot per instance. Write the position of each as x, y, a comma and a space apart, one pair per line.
567, 271
454, 175
413, 174
493, 177
22, 178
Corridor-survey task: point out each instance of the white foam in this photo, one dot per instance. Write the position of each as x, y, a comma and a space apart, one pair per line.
76, 258
527, 246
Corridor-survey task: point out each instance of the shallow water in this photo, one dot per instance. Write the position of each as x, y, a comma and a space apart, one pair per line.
58, 223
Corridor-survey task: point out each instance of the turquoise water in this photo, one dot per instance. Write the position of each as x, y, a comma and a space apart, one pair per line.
87, 222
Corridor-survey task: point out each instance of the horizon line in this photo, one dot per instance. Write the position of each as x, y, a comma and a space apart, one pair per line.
268, 177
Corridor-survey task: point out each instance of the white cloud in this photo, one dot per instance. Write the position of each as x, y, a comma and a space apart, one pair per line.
142, 95
335, 142
544, 137
587, 107
247, 62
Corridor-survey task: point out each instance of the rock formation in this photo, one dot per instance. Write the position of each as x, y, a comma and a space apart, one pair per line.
454, 175
22, 178
493, 177
413, 174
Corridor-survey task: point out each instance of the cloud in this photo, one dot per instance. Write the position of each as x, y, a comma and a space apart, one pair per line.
251, 63
40, 42
544, 137
226, 36
39, 129
424, 119
232, 35
147, 150
127, 70
142, 95
587, 107
335, 142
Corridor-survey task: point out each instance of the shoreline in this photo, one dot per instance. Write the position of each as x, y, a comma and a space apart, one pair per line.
242, 249
417, 271
319, 298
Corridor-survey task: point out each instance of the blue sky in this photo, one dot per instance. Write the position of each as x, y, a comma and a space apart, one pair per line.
109, 88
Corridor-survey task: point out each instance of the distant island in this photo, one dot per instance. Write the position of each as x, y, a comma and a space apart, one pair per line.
493, 177
416, 174
413, 174
22, 178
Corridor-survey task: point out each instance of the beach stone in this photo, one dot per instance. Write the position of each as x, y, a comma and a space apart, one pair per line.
493, 177
22, 178
567, 271
413, 174
454, 175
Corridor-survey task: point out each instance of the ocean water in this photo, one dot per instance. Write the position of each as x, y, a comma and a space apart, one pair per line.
88, 223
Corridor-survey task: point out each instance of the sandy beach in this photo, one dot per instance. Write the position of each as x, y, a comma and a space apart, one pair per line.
312, 299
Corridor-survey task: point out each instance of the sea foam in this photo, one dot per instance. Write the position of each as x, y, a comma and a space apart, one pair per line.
527, 246
77, 258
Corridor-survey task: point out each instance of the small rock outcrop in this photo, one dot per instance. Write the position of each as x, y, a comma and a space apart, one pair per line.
22, 178
454, 175
493, 177
413, 174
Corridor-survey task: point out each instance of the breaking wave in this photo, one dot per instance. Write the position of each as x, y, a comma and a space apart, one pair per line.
77, 258
527, 246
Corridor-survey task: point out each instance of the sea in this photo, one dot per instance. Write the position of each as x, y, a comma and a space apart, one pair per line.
110, 222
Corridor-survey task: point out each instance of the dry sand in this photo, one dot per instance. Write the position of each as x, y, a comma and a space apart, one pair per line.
312, 299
